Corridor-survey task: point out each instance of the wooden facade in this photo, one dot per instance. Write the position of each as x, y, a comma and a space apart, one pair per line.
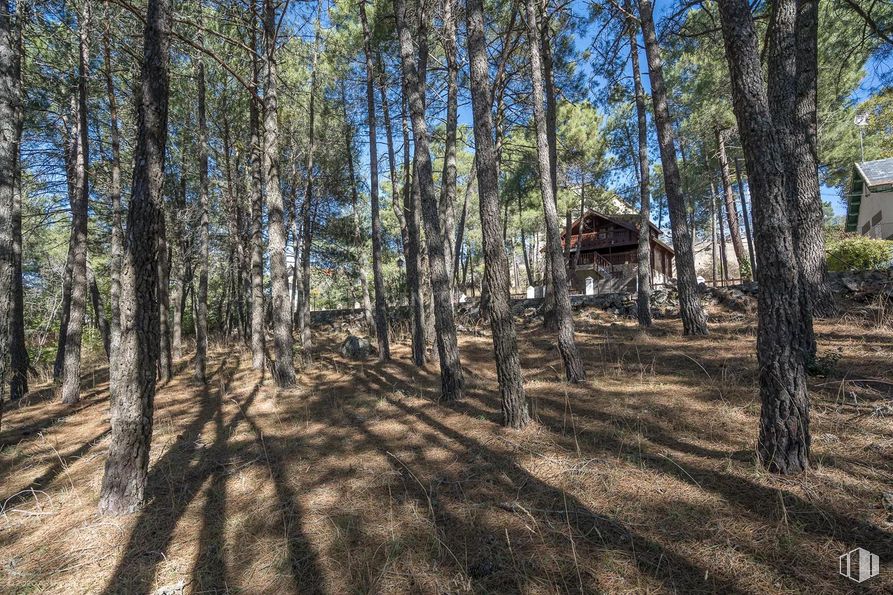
608, 246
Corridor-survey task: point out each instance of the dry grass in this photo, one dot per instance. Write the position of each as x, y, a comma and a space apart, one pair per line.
643, 479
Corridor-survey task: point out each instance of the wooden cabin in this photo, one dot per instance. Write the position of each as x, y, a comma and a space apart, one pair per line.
607, 247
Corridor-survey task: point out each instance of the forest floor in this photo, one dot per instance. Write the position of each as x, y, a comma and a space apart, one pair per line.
642, 479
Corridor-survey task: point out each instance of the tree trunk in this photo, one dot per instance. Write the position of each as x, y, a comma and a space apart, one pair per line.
98, 314
550, 307
451, 375
782, 89
723, 256
573, 364
413, 255
448, 176
181, 271
396, 205
71, 151
784, 416
19, 360
126, 469
258, 347
746, 217
165, 358
643, 251
117, 241
811, 240
729, 196
10, 129
381, 307
201, 322
284, 371
694, 320
515, 412
460, 231
71, 375
359, 248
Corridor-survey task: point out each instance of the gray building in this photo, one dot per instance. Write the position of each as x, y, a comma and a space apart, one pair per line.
870, 204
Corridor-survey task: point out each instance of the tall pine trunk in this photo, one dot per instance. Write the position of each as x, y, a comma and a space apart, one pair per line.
817, 296
746, 217
550, 306
10, 127
284, 371
19, 360
117, 235
452, 378
448, 176
257, 212
729, 198
126, 468
71, 374
201, 322
381, 307
308, 208
359, 248
643, 252
99, 313
784, 439
414, 254
165, 358
694, 319
567, 347
515, 412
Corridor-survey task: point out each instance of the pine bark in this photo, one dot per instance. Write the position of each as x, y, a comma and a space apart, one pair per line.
98, 313
694, 319
818, 297
284, 371
200, 373
784, 439
182, 271
448, 176
746, 217
381, 307
783, 88
71, 371
10, 113
117, 240
643, 251
257, 210
71, 151
414, 244
729, 198
19, 359
567, 347
165, 358
359, 248
126, 468
550, 306
451, 374
515, 412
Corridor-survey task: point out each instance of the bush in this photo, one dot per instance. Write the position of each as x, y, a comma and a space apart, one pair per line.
859, 253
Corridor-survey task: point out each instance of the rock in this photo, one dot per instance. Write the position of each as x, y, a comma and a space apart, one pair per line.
529, 312
355, 347
174, 589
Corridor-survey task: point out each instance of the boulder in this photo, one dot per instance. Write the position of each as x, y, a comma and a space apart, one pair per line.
355, 347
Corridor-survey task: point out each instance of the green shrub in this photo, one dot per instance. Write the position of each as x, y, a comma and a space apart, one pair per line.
859, 253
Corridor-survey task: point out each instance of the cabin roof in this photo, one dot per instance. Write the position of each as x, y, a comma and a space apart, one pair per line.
876, 173
629, 221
